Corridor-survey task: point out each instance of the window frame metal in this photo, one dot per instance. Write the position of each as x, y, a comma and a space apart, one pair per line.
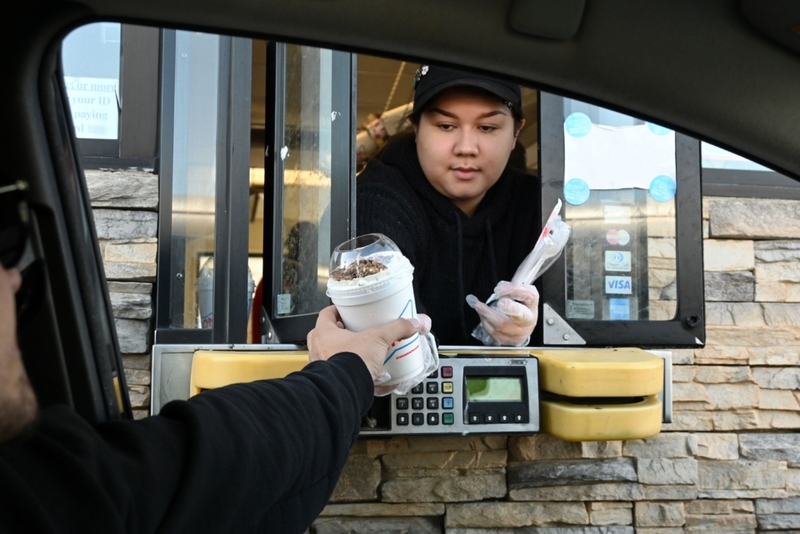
231, 200
749, 184
295, 328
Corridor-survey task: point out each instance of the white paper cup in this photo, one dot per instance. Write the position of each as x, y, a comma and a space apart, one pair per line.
379, 299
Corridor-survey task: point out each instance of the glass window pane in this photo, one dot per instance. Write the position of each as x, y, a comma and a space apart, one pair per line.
718, 158
194, 179
619, 187
91, 58
306, 158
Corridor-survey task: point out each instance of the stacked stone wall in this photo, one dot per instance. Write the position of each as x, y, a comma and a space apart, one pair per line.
125, 206
728, 463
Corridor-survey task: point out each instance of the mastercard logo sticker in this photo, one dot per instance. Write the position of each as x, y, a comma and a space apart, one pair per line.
618, 237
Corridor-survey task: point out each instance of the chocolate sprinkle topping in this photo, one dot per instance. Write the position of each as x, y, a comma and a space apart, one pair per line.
358, 270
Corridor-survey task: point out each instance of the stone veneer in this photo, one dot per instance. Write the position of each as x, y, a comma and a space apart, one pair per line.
125, 205
729, 463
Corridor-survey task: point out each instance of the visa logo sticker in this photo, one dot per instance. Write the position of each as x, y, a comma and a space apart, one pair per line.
618, 260
618, 285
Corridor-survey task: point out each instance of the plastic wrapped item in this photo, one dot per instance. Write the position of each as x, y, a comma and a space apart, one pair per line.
548, 248
430, 358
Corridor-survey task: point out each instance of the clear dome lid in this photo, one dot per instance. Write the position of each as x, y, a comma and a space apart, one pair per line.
363, 256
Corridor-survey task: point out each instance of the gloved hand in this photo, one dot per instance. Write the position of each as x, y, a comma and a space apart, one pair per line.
430, 359
510, 320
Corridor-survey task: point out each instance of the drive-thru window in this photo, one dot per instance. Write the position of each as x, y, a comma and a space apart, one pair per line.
627, 289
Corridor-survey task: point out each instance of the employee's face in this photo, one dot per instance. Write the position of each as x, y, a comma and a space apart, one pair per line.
17, 400
464, 140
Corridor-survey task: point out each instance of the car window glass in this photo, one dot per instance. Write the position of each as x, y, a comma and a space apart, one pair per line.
91, 60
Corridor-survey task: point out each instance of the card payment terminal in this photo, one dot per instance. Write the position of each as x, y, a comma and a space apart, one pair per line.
467, 394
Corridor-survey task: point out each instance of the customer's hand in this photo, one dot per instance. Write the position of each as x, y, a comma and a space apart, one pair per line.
329, 337
514, 316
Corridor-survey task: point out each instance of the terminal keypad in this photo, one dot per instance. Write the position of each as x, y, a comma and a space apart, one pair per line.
432, 408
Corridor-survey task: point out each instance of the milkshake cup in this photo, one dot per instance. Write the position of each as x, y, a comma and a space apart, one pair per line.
371, 285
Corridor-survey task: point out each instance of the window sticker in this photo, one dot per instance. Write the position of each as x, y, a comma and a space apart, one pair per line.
284, 304
663, 188
618, 237
576, 191
580, 309
618, 261
616, 214
618, 285
619, 309
578, 124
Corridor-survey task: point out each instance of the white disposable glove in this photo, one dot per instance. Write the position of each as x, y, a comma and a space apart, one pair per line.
430, 359
509, 320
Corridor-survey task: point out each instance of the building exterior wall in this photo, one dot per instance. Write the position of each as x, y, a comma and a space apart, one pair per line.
729, 463
125, 206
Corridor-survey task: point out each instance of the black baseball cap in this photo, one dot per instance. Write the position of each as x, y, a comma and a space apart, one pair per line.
431, 80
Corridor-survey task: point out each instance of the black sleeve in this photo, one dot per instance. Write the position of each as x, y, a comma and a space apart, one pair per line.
259, 457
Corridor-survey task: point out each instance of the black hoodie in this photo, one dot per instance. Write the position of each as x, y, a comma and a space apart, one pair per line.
257, 457
453, 254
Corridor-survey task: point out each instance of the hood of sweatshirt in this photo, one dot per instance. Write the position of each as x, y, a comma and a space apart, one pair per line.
401, 153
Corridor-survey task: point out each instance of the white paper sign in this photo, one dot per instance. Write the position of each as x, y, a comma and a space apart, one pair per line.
606, 157
93, 102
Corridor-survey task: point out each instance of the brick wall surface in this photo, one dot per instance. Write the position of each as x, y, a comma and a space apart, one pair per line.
125, 205
728, 463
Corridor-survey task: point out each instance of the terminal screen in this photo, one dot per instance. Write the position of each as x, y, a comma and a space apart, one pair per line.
494, 389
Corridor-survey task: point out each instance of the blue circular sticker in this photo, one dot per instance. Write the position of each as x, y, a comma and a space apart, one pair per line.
658, 130
662, 188
578, 124
576, 191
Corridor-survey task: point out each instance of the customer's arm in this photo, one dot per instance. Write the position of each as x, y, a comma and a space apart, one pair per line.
255, 457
